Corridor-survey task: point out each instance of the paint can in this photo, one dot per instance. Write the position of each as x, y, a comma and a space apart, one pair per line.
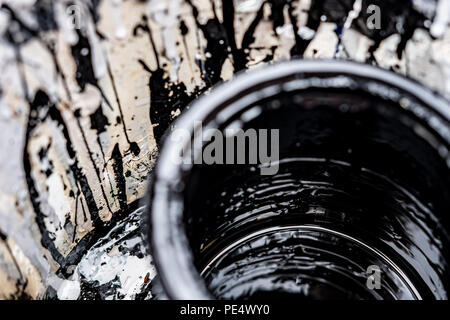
355, 208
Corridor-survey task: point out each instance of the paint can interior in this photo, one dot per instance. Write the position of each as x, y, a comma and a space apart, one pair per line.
358, 207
